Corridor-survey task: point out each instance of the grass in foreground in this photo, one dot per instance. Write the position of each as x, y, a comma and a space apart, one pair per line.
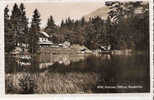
47, 83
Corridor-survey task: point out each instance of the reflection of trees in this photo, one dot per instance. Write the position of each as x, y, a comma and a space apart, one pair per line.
43, 61
66, 59
110, 69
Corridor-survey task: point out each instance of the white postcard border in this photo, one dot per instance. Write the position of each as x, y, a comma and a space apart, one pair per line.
73, 96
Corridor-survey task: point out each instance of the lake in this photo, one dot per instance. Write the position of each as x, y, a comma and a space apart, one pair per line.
80, 73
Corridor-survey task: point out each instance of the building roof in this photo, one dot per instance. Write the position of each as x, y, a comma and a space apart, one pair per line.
45, 34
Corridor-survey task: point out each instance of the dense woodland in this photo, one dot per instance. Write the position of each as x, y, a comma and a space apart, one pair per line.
124, 28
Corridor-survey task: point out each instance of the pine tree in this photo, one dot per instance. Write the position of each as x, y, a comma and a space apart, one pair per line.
90, 36
109, 31
9, 36
82, 21
23, 24
51, 26
15, 23
34, 32
69, 23
62, 23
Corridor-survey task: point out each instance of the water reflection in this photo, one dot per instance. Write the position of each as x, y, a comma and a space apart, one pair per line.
111, 70
47, 60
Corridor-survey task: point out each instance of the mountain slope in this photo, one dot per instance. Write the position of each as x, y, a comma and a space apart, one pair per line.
101, 12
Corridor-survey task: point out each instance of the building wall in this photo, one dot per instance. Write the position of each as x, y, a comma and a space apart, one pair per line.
42, 39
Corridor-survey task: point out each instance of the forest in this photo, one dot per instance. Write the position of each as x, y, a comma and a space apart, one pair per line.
126, 27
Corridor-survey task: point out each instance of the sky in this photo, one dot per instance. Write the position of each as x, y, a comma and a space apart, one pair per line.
60, 11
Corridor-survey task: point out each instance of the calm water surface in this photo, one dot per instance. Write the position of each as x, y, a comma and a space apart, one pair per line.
115, 73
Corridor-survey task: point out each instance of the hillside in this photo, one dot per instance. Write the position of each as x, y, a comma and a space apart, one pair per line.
101, 12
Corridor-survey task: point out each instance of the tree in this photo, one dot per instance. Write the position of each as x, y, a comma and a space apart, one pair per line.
51, 26
82, 21
34, 32
100, 36
19, 24
62, 23
120, 10
9, 36
16, 26
129, 24
23, 25
69, 23
15, 23
90, 37
109, 30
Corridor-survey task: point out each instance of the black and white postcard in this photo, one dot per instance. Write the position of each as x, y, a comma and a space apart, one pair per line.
99, 47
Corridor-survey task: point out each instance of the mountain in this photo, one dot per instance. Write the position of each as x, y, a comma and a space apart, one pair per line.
101, 12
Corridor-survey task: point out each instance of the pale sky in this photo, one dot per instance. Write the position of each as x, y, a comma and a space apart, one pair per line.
60, 11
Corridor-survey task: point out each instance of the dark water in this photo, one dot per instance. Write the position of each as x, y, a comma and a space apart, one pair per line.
115, 73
